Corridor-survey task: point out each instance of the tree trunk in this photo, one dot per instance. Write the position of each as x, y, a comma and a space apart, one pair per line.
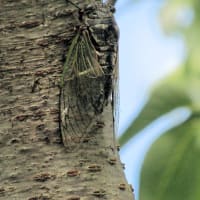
34, 164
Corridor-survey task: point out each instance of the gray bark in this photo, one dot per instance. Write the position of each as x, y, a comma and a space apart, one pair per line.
34, 164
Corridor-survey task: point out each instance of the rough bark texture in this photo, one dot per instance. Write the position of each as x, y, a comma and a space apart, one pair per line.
34, 164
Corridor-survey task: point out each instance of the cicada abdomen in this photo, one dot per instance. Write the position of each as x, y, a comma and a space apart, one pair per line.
88, 73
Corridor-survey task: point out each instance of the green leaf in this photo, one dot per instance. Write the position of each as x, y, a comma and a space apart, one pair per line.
171, 169
169, 94
176, 15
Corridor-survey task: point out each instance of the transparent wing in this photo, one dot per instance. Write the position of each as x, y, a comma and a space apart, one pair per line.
82, 83
115, 93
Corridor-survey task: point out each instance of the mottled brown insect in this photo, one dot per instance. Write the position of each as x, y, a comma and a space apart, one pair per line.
90, 71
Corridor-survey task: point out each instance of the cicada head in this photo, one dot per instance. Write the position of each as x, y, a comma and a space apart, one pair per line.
100, 21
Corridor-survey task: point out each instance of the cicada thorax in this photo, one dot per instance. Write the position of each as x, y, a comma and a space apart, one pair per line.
87, 79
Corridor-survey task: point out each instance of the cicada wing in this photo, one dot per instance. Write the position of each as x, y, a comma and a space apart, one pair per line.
74, 117
115, 92
81, 93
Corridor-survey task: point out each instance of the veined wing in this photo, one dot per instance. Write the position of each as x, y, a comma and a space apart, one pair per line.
82, 85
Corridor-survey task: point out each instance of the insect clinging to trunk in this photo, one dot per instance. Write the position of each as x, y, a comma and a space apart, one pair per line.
90, 71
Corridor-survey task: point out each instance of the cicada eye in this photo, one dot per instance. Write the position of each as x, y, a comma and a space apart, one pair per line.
112, 9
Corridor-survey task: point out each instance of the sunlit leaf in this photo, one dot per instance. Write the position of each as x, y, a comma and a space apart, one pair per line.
169, 94
171, 169
176, 15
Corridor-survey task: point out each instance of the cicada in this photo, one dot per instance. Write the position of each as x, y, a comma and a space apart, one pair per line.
90, 72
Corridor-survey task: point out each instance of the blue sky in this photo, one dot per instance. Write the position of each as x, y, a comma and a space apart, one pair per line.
145, 56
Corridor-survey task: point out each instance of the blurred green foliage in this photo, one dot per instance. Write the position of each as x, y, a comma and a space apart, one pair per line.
171, 167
